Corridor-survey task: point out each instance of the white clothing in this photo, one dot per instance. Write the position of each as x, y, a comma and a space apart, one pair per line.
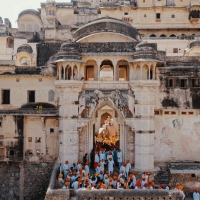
100, 177
195, 196
66, 167
122, 168
146, 177
102, 165
167, 188
96, 158
102, 156
127, 168
98, 169
75, 186
109, 156
78, 166
106, 181
119, 156
110, 165
151, 188
143, 182
87, 169
182, 194
144, 188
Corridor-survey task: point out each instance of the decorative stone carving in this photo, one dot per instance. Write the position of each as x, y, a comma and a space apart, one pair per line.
120, 100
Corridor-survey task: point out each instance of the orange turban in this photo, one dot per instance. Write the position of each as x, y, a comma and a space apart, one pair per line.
169, 184
60, 175
66, 162
134, 173
180, 187
196, 189
66, 183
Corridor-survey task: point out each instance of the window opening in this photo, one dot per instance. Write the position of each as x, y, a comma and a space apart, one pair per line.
5, 96
31, 96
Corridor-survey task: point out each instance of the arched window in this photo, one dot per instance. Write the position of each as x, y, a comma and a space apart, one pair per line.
173, 16
172, 35
163, 35
51, 95
153, 35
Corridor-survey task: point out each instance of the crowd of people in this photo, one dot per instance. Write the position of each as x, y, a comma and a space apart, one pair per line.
103, 176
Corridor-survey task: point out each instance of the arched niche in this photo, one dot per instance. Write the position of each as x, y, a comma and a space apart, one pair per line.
106, 71
122, 68
90, 70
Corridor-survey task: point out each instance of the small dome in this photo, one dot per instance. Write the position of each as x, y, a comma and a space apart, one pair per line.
29, 11
25, 48
146, 50
69, 51
194, 43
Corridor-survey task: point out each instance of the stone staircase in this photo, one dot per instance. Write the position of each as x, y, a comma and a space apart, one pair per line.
163, 177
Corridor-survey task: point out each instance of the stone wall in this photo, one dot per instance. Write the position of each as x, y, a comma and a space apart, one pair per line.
28, 181
189, 181
126, 194
9, 184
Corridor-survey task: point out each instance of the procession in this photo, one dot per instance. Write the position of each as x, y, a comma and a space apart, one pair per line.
110, 175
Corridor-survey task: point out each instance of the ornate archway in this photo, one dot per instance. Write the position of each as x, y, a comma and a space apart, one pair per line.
117, 104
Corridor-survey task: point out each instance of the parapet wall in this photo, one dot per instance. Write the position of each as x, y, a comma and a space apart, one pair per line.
126, 195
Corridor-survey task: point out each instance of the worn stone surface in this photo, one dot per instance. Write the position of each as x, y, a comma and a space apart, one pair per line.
123, 194
9, 184
36, 179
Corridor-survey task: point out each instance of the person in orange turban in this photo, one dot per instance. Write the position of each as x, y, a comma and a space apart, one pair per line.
60, 181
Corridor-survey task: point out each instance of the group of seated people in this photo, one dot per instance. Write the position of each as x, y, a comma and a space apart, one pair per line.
80, 177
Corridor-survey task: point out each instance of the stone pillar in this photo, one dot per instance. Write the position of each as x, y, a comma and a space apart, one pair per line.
154, 71
144, 129
59, 72
64, 72
149, 71
68, 122
141, 66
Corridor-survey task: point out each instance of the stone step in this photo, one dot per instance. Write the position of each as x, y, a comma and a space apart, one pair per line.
72, 198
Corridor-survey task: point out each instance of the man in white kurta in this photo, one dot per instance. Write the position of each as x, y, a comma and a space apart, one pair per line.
75, 186
127, 167
196, 194
65, 169
119, 158
122, 168
110, 166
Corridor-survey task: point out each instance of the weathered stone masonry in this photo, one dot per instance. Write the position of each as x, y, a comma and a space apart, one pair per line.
28, 181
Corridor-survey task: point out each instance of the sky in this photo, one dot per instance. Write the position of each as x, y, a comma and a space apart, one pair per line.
11, 8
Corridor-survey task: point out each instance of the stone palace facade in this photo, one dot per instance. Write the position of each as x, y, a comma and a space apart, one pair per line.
69, 65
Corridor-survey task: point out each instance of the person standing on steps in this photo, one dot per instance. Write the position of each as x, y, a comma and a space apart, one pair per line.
119, 158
